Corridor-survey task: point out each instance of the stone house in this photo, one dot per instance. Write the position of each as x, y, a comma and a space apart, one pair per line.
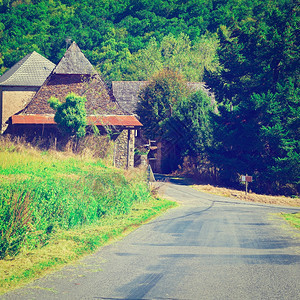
19, 84
74, 73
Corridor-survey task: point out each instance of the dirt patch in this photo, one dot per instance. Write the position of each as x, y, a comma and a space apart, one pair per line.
251, 197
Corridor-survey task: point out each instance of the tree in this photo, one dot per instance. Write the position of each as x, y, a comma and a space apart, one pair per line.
176, 53
257, 130
192, 122
70, 115
158, 101
175, 116
146, 62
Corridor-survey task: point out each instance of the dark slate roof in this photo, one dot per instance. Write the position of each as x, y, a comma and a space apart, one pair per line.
126, 92
65, 79
31, 70
74, 62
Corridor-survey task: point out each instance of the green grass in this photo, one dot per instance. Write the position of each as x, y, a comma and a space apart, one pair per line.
67, 246
56, 207
293, 219
40, 194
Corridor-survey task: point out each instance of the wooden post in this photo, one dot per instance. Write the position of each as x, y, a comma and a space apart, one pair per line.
246, 179
159, 157
128, 148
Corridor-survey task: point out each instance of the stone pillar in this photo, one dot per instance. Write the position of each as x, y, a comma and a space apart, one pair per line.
130, 149
124, 149
144, 160
120, 153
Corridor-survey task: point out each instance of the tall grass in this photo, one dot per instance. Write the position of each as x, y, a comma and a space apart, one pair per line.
43, 192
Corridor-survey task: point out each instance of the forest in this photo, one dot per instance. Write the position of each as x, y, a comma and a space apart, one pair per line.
247, 52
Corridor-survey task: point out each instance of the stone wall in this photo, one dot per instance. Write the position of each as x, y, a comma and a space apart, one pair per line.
124, 149
12, 100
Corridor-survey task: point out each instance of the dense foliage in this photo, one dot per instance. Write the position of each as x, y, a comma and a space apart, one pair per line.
157, 102
118, 36
192, 119
174, 114
257, 130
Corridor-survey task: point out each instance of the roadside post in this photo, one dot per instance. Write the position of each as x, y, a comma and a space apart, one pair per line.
246, 179
150, 175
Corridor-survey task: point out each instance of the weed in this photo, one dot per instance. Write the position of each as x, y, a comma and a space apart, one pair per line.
15, 217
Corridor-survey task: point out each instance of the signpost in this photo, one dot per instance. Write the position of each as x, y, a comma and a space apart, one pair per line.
246, 179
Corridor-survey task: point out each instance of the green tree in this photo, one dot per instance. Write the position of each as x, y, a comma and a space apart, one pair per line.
191, 124
70, 115
146, 62
158, 100
257, 130
175, 53
180, 119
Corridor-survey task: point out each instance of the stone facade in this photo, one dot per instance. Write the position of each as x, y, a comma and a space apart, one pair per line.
13, 99
124, 149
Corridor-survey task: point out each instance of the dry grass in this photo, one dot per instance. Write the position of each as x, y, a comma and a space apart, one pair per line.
251, 197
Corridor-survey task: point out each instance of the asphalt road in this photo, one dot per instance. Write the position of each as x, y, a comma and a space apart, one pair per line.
209, 247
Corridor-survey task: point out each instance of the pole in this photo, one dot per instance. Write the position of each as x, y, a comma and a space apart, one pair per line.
246, 184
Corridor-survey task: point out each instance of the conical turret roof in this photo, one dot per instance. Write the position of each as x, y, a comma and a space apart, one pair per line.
74, 62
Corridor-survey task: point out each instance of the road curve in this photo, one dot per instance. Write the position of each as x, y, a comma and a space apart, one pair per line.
209, 247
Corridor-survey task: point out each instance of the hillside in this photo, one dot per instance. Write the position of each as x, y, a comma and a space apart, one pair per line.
118, 35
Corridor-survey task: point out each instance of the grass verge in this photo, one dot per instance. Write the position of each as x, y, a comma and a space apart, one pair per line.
293, 219
58, 206
67, 246
250, 197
